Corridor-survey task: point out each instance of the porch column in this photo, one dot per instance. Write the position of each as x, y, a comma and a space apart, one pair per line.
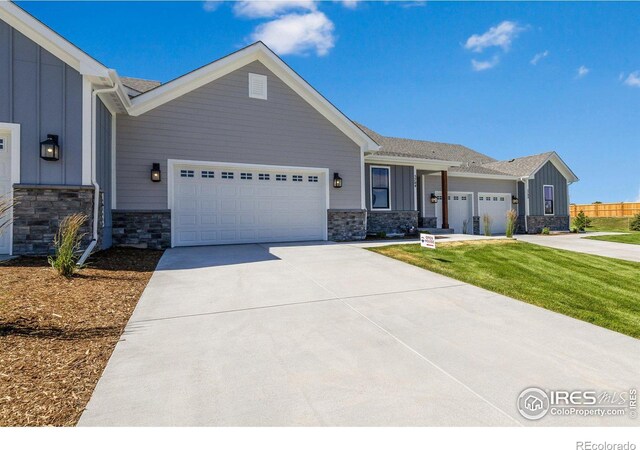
445, 199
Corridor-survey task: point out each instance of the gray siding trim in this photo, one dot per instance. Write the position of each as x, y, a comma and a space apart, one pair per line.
43, 95
103, 167
401, 183
548, 175
220, 123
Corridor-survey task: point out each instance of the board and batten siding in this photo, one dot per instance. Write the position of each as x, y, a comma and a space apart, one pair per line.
401, 184
44, 95
548, 175
103, 166
219, 122
522, 207
464, 184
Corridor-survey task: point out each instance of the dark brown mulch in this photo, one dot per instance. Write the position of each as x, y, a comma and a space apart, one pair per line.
56, 334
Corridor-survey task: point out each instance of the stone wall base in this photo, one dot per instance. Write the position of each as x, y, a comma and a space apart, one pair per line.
392, 222
142, 229
428, 222
554, 223
347, 224
39, 210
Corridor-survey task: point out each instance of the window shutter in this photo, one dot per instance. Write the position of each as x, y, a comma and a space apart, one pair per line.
258, 86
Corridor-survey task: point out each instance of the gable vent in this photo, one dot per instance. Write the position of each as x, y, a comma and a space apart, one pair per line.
257, 86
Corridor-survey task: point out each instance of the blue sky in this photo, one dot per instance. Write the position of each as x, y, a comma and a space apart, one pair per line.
459, 72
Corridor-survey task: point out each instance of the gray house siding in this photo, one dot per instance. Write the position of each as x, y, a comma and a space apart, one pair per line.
219, 122
459, 184
401, 184
548, 175
43, 95
103, 167
521, 199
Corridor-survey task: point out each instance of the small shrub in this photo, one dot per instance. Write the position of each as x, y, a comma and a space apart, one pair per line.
546, 230
381, 234
486, 222
581, 221
465, 226
573, 230
67, 245
512, 218
634, 223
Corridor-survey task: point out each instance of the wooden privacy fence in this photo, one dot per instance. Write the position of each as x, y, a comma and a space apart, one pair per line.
621, 209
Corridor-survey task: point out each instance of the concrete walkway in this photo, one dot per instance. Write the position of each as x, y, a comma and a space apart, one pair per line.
332, 334
576, 242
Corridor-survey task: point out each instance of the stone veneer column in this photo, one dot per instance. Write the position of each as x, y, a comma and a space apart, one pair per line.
347, 224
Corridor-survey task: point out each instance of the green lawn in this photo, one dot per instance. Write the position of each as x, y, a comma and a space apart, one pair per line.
631, 238
609, 224
599, 290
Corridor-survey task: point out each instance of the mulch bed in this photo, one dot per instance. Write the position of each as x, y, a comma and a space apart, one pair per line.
56, 334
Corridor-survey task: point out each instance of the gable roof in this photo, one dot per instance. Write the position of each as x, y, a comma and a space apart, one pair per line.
257, 51
51, 41
520, 167
411, 148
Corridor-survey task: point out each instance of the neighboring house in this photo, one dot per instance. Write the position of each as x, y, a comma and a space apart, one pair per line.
240, 150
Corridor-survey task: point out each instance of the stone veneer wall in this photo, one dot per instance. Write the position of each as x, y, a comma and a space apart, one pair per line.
476, 225
142, 229
391, 221
554, 223
428, 222
39, 210
347, 224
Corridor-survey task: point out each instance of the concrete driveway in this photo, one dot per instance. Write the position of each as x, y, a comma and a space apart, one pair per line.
332, 334
576, 243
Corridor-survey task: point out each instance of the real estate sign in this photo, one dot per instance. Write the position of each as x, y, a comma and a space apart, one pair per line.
427, 240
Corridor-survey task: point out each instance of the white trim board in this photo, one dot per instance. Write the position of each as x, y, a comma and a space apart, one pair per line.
13, 129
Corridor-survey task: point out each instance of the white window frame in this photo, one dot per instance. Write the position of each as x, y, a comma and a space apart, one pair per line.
371, 188
553, 200
13, 130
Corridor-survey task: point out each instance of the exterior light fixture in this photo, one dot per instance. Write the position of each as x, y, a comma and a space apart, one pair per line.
156, 174
514, 200
49, 148
434, 199
337, 181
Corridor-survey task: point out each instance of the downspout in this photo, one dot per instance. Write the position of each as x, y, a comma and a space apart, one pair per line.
525, 181
94, 182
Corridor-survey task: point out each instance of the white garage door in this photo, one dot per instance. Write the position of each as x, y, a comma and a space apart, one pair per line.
496, 206
231, 205
460, 211
5, 189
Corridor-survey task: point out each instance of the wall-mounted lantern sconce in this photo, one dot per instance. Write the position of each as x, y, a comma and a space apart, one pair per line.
514, 200
337, 181
156, 174
434, 199
49, 148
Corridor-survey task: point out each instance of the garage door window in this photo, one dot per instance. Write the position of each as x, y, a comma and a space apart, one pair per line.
380, 188
548, 200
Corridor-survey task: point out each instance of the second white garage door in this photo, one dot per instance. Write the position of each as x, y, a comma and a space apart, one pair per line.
240, 204
496, 206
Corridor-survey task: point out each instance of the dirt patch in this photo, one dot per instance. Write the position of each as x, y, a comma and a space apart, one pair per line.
56, 334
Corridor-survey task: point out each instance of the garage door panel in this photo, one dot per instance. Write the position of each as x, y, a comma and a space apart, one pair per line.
496, 206
222, 205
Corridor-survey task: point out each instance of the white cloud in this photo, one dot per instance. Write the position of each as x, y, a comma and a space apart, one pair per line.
211, 5
539, 56
297, 34
351, 4
633, 79
583, 71
479, 66
259, 9
499, 36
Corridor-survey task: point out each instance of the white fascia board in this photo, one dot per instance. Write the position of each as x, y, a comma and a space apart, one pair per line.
482, 176
256, 52
419, 163
51, 41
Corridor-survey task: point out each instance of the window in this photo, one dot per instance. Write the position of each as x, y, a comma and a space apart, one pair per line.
297, 178
207, 174
548, 200
187, 173
264, 176
1, 144
246, 176
258, 86
313, 178
281, 178
227, 175
380, 188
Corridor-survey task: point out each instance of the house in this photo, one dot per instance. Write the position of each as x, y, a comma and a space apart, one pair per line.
241, 150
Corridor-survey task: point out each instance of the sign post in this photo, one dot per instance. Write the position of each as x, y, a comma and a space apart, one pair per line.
427, 240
